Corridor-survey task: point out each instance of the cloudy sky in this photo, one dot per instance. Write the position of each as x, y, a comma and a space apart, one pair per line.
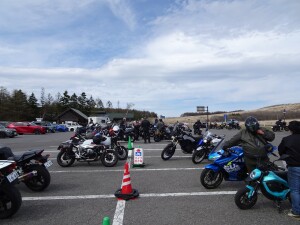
164, 56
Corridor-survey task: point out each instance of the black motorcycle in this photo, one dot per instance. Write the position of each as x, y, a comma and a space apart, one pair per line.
187, 142
276, 128
162, 134
10, 197
90, 150
32, 168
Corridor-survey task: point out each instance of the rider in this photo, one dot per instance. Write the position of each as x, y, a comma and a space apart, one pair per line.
197, 125
254, 141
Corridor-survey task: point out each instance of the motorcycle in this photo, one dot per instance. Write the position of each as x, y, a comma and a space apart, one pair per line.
90, 150
187, 142
10, 197
228, 165
273, 185
208, 144
276, 128
32, 168
115, 144
124, 134
163, 134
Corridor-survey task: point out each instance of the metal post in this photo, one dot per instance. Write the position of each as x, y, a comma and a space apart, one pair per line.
207, 118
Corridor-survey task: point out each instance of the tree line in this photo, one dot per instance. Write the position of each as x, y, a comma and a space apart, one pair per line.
18, 106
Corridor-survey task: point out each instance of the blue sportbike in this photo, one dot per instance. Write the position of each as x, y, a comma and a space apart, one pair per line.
228, 165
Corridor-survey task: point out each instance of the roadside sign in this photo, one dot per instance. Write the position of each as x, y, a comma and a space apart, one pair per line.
200, 108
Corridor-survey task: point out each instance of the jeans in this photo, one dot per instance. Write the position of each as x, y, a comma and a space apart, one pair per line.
294, 184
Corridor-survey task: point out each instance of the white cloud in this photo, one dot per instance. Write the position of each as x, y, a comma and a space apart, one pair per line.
199, 53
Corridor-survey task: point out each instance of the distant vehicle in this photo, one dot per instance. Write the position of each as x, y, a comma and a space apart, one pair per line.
7, 132
61, 128
72, 126
4, 123
102, 120
26, 128
50, 127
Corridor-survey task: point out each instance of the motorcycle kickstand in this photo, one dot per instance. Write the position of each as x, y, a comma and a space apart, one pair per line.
278, 206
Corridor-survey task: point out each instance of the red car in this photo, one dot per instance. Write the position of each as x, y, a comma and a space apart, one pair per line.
26, 128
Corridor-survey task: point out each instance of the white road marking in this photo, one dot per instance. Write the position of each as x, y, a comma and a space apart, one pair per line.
150, 195
119, 213
119, 170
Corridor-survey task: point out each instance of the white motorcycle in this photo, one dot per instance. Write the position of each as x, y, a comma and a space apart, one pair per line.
89, 150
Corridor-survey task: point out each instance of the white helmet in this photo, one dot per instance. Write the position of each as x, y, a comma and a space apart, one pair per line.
116, 128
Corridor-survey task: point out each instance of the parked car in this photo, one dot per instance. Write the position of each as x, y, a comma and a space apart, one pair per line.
61, 128
27, 128
4, 123
7, 132
72, 126
50, 127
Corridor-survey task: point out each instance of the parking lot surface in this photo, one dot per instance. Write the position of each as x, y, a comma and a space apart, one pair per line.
170, 191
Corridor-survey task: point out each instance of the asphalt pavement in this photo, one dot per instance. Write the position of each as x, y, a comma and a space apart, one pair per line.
170, 191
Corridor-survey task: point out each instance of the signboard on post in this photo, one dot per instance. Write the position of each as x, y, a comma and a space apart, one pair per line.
200, 108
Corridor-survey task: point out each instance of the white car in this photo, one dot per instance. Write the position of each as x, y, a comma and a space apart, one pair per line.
72, 126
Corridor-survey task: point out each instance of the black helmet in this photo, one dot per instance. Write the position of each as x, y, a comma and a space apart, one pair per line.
251, 124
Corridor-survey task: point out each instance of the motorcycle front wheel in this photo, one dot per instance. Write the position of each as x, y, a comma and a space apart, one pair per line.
168, 151
39, 182
211, 179
198, 156
122, 152
10, 201
64, 159
242, 200
109, 158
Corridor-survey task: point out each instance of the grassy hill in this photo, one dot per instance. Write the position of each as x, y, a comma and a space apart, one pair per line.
267, 115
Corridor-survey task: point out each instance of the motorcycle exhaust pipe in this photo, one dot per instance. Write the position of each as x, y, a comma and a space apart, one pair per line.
27, 175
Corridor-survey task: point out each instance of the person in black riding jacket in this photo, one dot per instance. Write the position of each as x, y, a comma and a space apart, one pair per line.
290, 146
145, 124
254, 141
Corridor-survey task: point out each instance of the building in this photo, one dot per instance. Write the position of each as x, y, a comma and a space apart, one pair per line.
72, 114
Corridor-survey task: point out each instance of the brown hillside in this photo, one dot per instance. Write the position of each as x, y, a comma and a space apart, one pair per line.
275, 109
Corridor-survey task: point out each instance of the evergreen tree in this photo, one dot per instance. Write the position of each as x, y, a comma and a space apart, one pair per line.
5, 113
19, 106
65, 100
33, 107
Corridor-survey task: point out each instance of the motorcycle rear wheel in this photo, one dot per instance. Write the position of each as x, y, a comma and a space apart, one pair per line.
109, 158
64, 159
156, 138
211, 179
242, 200
168, 151
10, 201
39, 182
122, 152
198, 156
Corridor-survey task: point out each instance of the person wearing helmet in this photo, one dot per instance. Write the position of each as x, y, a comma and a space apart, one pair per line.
253, 140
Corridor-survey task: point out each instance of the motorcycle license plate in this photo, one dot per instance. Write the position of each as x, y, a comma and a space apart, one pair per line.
48, 163
11, 177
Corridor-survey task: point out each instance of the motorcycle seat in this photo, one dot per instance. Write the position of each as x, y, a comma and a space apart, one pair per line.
25, 155
282, 174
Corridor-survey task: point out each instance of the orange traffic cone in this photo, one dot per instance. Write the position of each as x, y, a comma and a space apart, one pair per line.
126, 192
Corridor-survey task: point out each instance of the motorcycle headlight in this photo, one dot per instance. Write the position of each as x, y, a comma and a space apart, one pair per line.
255, 174
205, 141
